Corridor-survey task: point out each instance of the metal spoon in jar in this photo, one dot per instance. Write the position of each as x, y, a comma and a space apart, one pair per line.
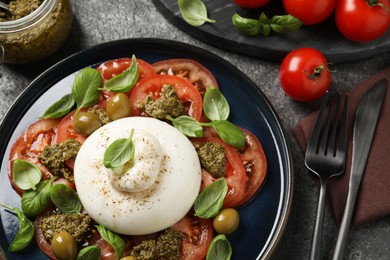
4, 6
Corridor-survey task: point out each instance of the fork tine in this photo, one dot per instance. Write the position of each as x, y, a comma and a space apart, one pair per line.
322, 148
316, 132
335, 127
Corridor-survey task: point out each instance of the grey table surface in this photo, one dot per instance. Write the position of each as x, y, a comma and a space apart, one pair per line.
101, 21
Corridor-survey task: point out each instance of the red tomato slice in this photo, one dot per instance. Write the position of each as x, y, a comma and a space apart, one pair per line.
255, 163
186, 92
235, 173
198, 236
30, 144
196, 73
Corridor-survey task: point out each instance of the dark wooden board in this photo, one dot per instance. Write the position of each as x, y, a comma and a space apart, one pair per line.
222, 34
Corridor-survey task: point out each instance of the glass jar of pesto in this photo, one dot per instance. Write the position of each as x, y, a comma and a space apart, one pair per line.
38, 34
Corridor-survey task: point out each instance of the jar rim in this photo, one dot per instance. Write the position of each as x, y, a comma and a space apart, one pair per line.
29, 20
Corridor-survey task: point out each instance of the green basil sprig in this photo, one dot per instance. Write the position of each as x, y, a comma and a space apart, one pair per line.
124, 81
194, 12
210, 200
26, 175
220, 249
65, 199
113, 239
89, 253
85, 88
35, 201
119, 152
60, 108
216, 108
25, 233
264, 25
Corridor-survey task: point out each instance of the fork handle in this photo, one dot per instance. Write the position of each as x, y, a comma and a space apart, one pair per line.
345, 223
315, 251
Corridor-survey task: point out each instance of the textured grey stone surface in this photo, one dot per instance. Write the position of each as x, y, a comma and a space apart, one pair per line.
98, 21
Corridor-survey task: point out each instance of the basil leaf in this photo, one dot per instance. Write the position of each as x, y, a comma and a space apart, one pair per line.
187, 126
89, 253
125, 81
246, 26
220, 249
229, 133
285, 23
60, 108
194, 12
113, 239
119, 152
215, 105
26, 174
65, 199
265, 27
210, 200
35, 201
85, 88
25, 233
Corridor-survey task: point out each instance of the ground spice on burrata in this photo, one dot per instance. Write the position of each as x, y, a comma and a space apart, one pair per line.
19, 9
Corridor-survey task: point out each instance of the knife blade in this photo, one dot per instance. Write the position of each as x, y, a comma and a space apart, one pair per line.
366, 118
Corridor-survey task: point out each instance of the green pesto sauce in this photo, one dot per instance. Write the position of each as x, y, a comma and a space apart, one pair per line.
167, 246
167, 104
102, 115
54, 157
212, 157
78, 225
19, 9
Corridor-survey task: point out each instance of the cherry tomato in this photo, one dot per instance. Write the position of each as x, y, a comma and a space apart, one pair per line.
30, 144
304, 74
185, 91
198, 236
235, 173
196, 73
308, 11
359, 21
251, 3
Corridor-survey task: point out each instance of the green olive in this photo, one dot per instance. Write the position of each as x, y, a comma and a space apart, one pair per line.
85, 123
129, 258
118, 106
226, 221
63, 246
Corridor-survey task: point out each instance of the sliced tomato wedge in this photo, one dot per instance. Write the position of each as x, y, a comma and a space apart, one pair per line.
198, 236
190, 69
30, 144
186, 93
235, 173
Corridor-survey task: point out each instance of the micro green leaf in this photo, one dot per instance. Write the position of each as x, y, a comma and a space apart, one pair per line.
25, 233
210, 200
85, 88
215, 105
113, 239
194, 12
229, 133
124, 81
187, 126
119, 152
65, 199
35, 201
60, 108
220, 249
26, 175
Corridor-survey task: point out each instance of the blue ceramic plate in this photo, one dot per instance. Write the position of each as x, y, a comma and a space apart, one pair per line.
262, 220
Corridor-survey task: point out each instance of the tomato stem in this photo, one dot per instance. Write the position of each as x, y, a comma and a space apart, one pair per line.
316, 72
377, 3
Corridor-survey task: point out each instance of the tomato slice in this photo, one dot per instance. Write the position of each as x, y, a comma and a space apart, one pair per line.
30, 144
196, 73
186, 93
198, 236
255, 163
235, 173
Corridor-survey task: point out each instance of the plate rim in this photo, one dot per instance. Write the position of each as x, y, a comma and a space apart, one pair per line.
33, 87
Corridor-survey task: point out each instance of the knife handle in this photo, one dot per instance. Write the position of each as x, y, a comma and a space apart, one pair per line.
345, 223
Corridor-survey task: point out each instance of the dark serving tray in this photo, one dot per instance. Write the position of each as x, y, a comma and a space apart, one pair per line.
222, 34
